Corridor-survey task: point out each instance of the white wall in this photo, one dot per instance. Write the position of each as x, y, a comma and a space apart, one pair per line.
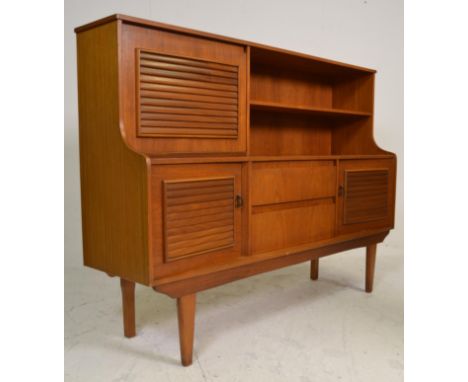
361, 32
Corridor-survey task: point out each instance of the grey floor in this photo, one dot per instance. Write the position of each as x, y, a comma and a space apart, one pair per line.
278, 326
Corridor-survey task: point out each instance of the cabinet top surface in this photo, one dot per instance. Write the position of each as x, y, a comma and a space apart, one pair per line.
158, 25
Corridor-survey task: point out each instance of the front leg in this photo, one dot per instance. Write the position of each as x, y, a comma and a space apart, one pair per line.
128, 307
371, 252
314, 268
186, 316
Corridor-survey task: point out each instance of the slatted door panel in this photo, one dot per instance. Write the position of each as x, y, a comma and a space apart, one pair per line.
181, 94
195, 220
184, 97
367, 197
198, 216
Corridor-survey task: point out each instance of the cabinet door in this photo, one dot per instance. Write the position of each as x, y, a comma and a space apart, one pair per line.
196, 215
366, 195
182, 94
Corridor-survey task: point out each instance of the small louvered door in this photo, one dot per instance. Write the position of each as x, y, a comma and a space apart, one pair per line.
366, 194
200, 212
198, 216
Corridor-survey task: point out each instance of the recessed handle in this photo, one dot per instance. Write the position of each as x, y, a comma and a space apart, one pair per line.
239, 201
341, 190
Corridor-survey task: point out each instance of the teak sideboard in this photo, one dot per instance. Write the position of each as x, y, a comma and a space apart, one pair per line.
206, 159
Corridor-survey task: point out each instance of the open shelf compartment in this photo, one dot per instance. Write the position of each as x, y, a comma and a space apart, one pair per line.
282, 133
297, 84
305, 106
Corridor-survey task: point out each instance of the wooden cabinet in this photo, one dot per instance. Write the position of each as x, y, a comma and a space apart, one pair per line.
206, 159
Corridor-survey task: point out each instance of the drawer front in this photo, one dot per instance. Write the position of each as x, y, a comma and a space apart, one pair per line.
293, 203
194, 217
287, 225
279, 182
182, 94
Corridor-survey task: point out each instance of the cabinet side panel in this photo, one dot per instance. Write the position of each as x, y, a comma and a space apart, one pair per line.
355, 137
354, 93
113, 178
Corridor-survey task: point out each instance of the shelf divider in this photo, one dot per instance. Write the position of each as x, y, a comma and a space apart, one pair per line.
319, 111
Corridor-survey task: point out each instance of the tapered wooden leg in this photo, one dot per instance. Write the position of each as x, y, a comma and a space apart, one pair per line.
370, 266
186, 315
128, 307
314, 269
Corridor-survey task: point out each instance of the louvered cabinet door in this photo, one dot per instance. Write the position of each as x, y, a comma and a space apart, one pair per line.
366, 195
182, 94
186, 97
196, 215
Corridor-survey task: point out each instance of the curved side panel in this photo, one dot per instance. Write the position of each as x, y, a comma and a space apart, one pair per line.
355, 136
114, 179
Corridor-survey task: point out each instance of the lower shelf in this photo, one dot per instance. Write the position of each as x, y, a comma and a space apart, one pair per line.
207, 277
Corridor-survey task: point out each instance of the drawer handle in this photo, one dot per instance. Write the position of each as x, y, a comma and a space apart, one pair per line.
239, 201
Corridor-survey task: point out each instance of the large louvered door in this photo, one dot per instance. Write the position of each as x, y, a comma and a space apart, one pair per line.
197, 213
183, 97
183, 94
366, 194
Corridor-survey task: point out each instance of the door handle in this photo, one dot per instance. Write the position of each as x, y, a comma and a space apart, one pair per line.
239, 201
341, 190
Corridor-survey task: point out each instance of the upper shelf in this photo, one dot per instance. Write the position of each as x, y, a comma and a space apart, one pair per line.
319, 111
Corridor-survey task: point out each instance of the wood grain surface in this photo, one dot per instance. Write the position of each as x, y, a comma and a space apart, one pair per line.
206, 159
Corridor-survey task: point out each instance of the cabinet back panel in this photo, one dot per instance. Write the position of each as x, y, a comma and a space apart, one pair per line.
289, 87
286, 134
355, 93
